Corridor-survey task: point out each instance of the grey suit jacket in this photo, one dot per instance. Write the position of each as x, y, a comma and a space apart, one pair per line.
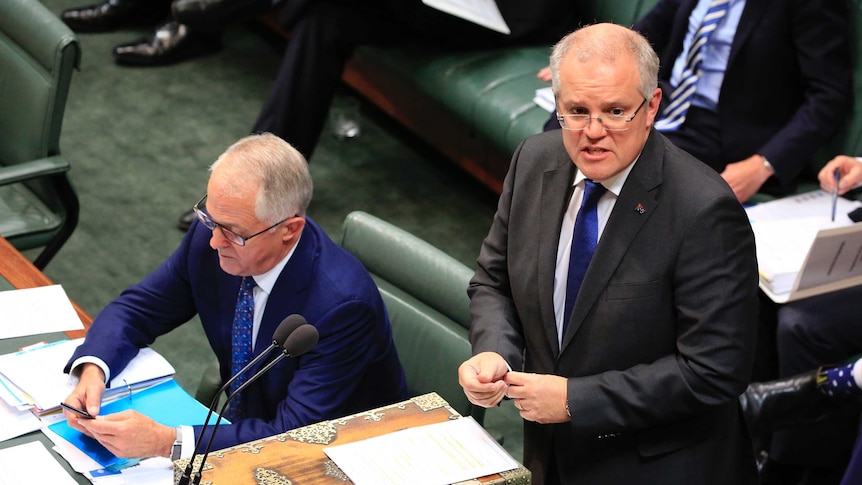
662, 334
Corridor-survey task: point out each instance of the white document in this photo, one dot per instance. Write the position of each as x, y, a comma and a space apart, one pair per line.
817, 204
544, 98
481, 12
16, 422
39, 373
436, 454
34, 311
31, 463
799, 258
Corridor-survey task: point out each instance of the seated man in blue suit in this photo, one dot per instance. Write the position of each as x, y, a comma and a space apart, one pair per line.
254, 227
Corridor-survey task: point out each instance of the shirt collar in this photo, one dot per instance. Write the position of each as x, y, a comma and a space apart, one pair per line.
612, 184
266, 281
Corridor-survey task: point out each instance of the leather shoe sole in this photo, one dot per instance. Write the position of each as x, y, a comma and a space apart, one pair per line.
172, 42
115, 14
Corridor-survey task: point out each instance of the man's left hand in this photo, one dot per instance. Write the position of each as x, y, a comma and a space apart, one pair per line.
539, 397
746, 177
130, 434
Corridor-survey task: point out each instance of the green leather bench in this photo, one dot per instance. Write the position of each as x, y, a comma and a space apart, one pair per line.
475, 107
425, 291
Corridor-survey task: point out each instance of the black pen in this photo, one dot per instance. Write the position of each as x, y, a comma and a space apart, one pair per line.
837, 176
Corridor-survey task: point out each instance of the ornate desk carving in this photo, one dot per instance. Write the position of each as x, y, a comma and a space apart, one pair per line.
296, 457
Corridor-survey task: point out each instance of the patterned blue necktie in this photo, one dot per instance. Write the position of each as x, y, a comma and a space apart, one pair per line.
243, 320
674, 115
584, 240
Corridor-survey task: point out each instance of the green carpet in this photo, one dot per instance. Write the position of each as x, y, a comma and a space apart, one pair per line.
140, 141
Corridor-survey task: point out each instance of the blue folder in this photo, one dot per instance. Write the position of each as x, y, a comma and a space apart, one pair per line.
166, 403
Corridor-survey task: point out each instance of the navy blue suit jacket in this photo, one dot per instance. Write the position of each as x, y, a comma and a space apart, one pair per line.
788, 84
353, 367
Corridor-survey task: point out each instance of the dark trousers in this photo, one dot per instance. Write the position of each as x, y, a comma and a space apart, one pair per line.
324, 35
821, 330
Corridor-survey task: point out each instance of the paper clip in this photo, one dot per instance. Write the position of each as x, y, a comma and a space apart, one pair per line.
129, 388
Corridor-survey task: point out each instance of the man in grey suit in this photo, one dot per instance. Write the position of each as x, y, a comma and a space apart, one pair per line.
639, 382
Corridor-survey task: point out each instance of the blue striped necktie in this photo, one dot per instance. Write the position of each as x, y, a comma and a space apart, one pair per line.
241, 344
674, 114
584, 240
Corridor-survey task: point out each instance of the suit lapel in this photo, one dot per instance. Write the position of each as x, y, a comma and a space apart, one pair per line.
286, 297
752, 13
556, 190
635, 205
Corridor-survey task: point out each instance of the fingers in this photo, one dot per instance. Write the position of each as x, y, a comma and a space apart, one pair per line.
481, 378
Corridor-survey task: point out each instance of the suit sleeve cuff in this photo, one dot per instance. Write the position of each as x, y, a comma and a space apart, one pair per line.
89, 359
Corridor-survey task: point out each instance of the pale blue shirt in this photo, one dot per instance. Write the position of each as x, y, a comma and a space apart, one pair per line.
716, 54
604, 208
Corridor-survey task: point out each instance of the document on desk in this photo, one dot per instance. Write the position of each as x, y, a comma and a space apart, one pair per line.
799, 258
16, 422
38, 373
34, 311
436, 454
31, 463
481, 12
815, 204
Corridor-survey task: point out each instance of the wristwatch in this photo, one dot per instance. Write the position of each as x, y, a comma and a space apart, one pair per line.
767, 164
177, 448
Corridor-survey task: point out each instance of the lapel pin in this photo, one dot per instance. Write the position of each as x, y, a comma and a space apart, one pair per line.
640, 209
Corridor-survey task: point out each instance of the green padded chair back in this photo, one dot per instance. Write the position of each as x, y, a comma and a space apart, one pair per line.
425, 291
38, 54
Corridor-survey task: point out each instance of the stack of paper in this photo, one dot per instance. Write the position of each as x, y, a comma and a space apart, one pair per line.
801, 251
35, 376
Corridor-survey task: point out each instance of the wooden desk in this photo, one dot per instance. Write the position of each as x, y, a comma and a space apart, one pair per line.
297, 456
21, 273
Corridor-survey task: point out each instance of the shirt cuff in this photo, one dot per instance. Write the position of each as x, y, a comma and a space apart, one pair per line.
89, 359
188, 446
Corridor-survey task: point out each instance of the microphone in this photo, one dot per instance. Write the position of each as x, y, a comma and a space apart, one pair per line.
282, 332
300, 341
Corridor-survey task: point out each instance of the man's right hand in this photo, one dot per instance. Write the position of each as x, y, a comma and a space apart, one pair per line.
481, 376
849, 171
87, 395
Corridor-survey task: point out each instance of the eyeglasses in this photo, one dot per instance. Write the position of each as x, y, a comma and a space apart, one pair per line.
231, 236
616, 120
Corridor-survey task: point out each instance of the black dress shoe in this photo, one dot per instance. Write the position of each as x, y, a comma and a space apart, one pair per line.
172, 42
214, 15
774, 405
115, 14
185, 220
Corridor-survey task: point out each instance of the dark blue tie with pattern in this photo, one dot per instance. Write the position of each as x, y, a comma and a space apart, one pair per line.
243, 320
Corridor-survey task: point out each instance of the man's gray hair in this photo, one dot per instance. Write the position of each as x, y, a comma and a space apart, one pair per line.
613, 41
279, 171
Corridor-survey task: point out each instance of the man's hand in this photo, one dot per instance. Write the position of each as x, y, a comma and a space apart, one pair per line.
746, 177
539, 397
544, 74
130, 434
849, 170
87, 395
482, 378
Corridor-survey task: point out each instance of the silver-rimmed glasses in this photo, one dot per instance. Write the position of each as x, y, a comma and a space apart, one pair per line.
615, 120
231, 236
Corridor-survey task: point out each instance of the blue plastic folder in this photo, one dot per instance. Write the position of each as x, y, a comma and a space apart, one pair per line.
167, 403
